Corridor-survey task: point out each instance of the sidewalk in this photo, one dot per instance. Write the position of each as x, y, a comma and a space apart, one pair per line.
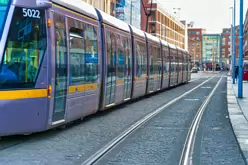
238, 114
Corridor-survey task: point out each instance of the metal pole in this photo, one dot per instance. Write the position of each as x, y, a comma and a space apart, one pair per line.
131, 15
240, 84
234, 41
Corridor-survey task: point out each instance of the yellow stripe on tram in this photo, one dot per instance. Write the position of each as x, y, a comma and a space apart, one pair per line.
82, 88
23, 94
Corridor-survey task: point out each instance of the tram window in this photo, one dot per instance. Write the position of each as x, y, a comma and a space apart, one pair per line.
77, 56
3, 12
111, 55
121, 56
128, 56
141, 58
165, 61
24, 52
151, 58
158, 61
83, 53
91, 63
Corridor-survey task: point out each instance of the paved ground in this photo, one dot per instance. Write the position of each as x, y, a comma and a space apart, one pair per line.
216, 143
75, 144
238, 112
159, 141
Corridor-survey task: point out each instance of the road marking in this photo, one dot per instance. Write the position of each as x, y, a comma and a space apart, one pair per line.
100, 153
195, 79
187, 153
191, 99
206, 87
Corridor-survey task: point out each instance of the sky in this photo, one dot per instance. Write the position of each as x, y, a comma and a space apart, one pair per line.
213, 15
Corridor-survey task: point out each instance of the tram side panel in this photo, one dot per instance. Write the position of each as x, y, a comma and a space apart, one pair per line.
24, 94
189, 67
173, 75
166, 67
154, 67
180, 75
140, 67
82, 60
184, 70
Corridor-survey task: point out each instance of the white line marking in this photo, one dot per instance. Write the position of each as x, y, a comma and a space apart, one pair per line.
189, 143
95, 157
191, 99
195, 79
206, 87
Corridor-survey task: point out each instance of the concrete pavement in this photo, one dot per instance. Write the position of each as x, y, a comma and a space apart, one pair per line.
238, 113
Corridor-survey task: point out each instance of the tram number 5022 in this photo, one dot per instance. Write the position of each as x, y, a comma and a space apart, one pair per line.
32, 13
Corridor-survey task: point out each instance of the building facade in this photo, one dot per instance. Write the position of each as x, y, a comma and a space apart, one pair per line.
226, 47
211, 51
108, 6
163, 24
195, 45
246, 36
128, 11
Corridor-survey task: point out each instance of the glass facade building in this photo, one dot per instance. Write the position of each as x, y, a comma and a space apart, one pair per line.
211, 51
129, 11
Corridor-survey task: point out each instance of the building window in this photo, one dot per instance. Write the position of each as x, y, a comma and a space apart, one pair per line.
198, 33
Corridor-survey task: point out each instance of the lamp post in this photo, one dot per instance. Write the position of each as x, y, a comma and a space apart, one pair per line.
240, 84
232, 46
234, 41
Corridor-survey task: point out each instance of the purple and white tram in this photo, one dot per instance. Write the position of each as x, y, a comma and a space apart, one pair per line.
62, 60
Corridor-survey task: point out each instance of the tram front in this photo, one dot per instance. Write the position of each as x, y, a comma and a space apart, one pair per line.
23, 67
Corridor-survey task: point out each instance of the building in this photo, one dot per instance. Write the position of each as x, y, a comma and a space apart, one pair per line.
195, 45
128, 11
163, 24
211, 51
246, 36
226, 47
108, 6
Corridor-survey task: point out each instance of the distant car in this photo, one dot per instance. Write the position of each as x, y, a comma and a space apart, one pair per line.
194, 70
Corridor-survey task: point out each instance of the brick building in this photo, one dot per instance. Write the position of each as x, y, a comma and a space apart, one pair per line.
195, 44
246, 36
128, 11
164, 24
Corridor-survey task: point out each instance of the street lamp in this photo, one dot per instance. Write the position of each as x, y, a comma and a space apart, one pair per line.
234, 40
240, 84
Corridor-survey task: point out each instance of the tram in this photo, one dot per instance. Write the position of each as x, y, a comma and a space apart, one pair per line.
62, 60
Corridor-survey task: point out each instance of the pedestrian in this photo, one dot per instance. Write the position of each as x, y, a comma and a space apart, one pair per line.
236, 73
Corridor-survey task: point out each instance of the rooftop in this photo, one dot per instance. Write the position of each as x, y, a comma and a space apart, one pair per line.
166, 12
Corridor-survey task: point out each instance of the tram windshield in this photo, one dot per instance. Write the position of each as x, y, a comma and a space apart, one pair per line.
4, 6
24, 50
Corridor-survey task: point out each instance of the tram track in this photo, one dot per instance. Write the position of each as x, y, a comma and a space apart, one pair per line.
112, 144
187, 153
12, 141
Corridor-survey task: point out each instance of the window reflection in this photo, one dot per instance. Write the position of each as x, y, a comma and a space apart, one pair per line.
25, 49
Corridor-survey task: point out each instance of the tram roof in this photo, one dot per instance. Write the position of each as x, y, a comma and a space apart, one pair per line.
79, 6
172, 46
108, 19
180, 49
153, 38
137, 31
164, 43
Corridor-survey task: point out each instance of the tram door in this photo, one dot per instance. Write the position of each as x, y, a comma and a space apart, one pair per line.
60, 92
111, 68
128, 69
151, 67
